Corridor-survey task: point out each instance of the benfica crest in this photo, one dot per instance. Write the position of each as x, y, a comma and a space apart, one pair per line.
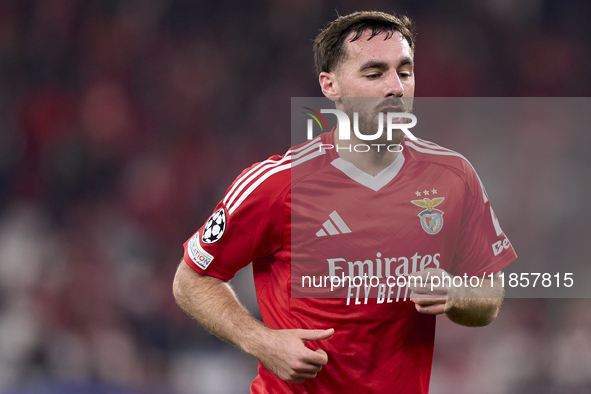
431, 219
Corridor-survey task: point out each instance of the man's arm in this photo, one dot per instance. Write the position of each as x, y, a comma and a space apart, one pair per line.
213, 303
466, 305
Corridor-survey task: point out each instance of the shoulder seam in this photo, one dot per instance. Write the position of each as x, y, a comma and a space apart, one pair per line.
246, 184
434, 149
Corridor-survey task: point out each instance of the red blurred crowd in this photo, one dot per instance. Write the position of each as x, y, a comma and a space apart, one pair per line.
122, 122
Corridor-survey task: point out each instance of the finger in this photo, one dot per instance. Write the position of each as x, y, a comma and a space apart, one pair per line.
428, 301
316, 357
306, 375
427, 284
431, 310
427, 274
431, 272
316, 335
308, 368
418, 295
427, 292
323, 357
422, 274
421, 289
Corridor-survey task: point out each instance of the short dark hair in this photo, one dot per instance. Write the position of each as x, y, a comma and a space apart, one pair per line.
328, 45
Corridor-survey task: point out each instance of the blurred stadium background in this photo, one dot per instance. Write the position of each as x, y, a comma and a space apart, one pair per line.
123, 121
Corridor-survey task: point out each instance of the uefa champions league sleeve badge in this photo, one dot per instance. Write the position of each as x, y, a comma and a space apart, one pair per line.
215, 227
431, 218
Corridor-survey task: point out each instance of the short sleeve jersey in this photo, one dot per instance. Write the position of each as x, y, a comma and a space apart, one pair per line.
308, 215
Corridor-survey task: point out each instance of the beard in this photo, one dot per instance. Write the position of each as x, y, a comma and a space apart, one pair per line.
369, 117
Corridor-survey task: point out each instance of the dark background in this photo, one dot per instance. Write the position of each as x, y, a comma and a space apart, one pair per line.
123, 122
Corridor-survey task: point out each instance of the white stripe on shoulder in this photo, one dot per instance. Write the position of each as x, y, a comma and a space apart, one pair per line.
445, 152
245, 176
267, 174
302, 157
309, 156
253, 172
311, 142
305, 151
264, 170
250, 176
310, 152
431, 145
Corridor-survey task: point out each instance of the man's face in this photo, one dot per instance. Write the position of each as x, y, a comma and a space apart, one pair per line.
379, 70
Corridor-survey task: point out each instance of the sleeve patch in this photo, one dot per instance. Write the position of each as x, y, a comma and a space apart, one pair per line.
215, 227
197, 254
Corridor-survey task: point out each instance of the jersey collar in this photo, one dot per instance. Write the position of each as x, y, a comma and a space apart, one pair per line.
376, 182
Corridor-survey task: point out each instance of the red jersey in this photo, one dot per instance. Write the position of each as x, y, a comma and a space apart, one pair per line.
309, 215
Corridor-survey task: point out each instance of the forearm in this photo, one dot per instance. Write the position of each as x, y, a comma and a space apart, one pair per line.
213, 303
475, 306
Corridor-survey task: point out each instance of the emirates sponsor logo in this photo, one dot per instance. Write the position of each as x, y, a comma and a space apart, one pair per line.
382, 267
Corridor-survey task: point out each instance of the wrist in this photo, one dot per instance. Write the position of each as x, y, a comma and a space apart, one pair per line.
256, 340
455, 295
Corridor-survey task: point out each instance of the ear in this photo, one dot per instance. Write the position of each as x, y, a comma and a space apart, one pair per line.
329, 85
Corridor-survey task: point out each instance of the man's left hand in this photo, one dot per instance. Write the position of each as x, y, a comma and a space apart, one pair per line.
431, 293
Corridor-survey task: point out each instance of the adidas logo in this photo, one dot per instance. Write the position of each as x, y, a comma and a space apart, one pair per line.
329, 226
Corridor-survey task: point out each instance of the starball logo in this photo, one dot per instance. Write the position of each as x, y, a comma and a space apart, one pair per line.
393, 122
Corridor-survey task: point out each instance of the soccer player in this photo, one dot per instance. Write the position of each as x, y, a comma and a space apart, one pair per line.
420, 210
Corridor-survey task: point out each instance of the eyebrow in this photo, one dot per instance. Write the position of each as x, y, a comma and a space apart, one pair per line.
383, 65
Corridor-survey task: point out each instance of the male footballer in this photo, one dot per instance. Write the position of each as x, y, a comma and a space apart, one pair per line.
419, 211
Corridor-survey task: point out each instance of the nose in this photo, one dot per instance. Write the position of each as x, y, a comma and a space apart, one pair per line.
394, 86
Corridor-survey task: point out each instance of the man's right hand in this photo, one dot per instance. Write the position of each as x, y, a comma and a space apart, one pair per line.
284, 353
213, 303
